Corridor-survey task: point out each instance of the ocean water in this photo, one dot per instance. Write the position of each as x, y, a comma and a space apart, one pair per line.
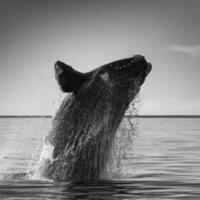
162, 163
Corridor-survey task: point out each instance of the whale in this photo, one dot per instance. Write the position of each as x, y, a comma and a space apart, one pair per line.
84, 127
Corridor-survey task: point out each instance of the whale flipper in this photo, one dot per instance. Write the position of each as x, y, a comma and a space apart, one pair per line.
68, 79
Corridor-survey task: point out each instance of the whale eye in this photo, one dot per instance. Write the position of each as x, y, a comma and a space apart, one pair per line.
104, 76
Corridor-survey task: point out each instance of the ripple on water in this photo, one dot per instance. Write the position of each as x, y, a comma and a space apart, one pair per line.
164, 163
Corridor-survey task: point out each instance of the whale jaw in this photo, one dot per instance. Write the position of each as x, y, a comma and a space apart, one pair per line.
130, 68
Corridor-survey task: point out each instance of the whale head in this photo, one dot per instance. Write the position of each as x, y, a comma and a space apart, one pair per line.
121, 78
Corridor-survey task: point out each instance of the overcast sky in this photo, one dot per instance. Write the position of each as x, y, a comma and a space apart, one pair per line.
86, 34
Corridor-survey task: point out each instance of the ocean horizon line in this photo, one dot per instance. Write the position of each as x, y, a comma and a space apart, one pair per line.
126, 116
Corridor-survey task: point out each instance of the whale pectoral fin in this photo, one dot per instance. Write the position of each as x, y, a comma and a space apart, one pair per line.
68, 79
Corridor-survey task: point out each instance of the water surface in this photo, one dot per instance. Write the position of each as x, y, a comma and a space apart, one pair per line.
163, 163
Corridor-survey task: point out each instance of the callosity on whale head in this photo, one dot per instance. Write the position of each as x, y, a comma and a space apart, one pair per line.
86, 122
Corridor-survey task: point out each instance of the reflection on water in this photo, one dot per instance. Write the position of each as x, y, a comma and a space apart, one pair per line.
134, 189
164, 163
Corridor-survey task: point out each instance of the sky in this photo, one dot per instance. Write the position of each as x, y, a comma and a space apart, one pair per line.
86, 34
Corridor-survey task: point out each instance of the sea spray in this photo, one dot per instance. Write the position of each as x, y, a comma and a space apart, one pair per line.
22, 145
123, 143
34, 171
122, 147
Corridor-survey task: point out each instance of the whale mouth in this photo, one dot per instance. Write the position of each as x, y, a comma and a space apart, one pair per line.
129, 68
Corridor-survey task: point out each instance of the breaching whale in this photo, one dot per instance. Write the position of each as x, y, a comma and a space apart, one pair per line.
85, 124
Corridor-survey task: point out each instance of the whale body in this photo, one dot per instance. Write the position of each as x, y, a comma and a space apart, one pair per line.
85, 124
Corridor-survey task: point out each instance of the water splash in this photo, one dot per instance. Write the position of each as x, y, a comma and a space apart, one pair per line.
121, 151
12, 151
123, 144
22, 135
